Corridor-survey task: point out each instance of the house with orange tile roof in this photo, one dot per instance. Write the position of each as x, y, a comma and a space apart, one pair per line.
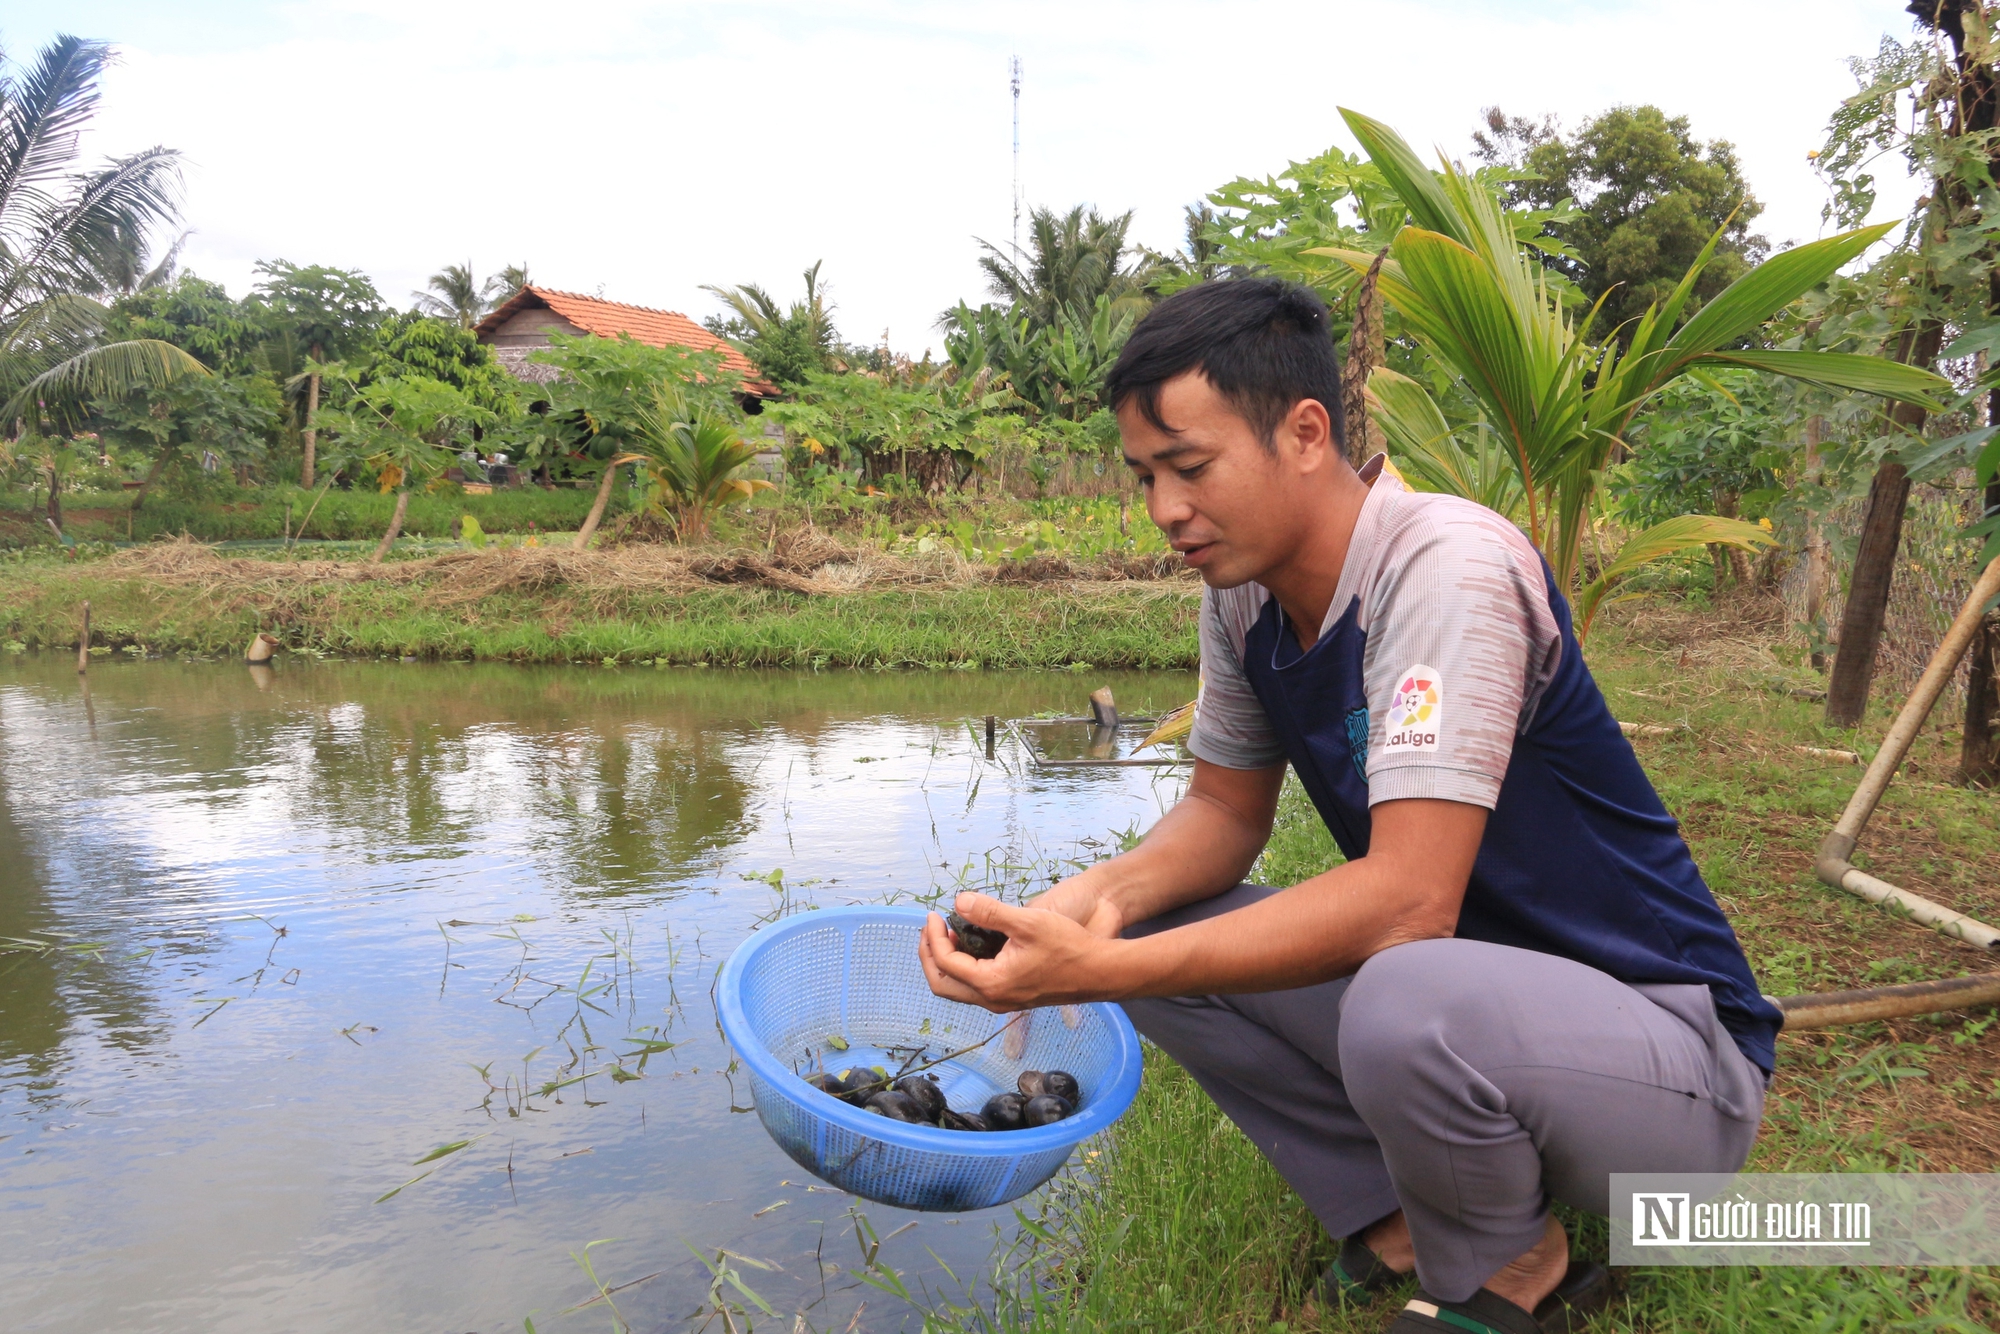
525, 321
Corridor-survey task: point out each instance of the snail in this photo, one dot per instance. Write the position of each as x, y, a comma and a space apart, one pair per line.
1046, 1109
924, 1092
978, 941
1063, 1085
896, 1106
951, 1120
1030, 1083
1003, 1111
825, 1083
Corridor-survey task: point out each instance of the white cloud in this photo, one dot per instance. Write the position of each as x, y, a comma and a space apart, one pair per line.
649, 149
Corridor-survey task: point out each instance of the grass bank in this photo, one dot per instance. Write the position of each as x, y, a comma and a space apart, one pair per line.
270, 512
1182, 1225
828, 607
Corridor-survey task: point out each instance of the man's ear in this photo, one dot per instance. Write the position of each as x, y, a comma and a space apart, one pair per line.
1309, 430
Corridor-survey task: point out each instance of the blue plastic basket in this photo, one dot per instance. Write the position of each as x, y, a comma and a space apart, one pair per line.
853, 973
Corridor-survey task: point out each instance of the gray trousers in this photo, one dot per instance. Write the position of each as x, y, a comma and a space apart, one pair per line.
1466, 1083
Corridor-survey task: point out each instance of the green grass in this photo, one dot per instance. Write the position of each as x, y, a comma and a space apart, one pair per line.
1180, 1224
230, 514
1111, 625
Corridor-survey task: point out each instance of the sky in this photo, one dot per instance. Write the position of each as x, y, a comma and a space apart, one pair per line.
643, 150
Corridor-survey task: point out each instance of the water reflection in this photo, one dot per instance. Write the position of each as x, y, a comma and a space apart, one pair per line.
275, 909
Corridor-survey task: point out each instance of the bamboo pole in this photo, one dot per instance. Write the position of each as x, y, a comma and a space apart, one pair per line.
1832, 1008
1832, 863
83, 643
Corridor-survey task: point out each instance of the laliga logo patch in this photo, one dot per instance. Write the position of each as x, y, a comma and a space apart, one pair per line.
1416, 713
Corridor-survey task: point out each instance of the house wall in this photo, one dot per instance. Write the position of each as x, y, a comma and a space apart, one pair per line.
523, 332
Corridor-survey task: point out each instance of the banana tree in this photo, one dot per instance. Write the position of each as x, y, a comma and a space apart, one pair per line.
1557, 403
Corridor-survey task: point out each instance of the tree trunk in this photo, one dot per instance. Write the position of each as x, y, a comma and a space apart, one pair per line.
591, 520
310, 436
1364, 353
1819, 565
1979, 753
395, 527
152, 476
55, 498
1875, 559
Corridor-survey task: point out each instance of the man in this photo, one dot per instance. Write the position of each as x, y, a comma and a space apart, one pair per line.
1517, 983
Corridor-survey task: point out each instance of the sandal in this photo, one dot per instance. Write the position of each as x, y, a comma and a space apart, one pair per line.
1584, 1291
1355, 1275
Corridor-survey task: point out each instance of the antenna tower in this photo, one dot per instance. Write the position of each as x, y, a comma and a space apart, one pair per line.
1014, 80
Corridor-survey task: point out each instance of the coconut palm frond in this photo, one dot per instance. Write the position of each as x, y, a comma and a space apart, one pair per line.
62, 392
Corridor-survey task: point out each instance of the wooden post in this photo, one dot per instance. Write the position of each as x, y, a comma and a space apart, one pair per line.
83, 643
1103, 709
990, 721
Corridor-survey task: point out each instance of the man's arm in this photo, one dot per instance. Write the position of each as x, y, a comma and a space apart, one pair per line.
1409, 887
1206, 844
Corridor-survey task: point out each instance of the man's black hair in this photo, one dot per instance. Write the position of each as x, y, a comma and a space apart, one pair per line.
1262, 342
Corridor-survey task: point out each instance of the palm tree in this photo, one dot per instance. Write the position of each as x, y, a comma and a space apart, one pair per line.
787, 345
68, 236
502, 286
695, 457
1070, 261
1552, 403
454, 295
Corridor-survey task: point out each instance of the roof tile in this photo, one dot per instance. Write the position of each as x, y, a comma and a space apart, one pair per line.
655, 328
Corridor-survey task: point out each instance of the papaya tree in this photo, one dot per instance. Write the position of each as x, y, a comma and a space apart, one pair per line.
405, 431
603, 386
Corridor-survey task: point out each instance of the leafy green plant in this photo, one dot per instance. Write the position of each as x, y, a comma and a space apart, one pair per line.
929, 424
324, 313
218, 419
694, 456
1487, 313
598, 403
786, 345
404, 431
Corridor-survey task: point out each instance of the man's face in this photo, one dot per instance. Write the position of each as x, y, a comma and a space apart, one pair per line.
1229, 503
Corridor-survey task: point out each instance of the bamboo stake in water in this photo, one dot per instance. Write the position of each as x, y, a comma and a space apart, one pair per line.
83, 644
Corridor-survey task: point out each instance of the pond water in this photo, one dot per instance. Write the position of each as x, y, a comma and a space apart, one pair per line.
274, 935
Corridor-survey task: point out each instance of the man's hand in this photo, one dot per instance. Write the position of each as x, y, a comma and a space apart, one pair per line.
1083, 899
1050, 958
1066, 947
